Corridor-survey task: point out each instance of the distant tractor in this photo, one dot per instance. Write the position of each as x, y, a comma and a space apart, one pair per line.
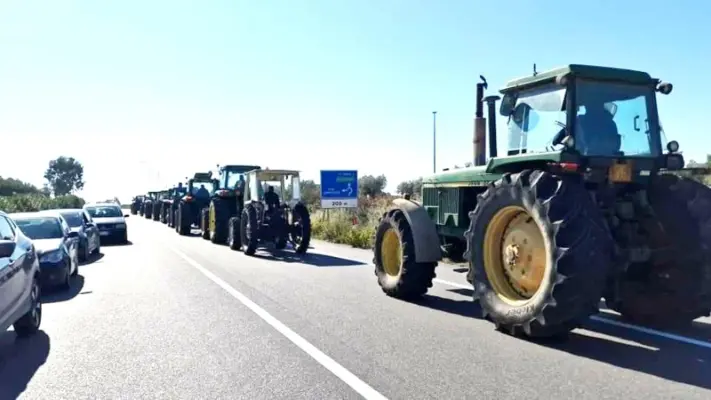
225, 203
269, 215
148, 202
191, 205
136, 205
585, 204
158, 205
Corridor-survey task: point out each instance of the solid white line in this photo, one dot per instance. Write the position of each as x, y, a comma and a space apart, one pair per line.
654, 332
637, 328
327, 362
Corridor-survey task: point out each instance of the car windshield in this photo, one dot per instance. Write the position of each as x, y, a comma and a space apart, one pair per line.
40, 228
615, 119
209, 185
74, 218
104, 211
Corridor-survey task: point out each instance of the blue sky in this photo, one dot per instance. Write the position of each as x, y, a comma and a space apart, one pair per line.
147, 92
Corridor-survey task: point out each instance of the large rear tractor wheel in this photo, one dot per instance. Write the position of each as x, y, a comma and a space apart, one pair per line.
249, 230
300, 229
539, 253
183, 219
219, 218
674, 288
234, 236
205, 223
399, 274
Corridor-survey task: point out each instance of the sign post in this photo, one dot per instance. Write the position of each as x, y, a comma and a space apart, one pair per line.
339, 189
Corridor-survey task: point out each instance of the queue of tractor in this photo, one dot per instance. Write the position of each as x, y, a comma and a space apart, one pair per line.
243, 206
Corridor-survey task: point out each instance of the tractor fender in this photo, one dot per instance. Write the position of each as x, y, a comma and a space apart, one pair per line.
424, 231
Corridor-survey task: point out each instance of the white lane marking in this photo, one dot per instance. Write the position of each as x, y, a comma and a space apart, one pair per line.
637, 328
654, 332
327, 362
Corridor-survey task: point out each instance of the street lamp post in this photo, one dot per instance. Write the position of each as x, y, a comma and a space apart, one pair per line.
434, 141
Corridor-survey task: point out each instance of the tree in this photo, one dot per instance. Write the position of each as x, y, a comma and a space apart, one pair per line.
411, 188
310, 192
10, 186
64, 175
370, 185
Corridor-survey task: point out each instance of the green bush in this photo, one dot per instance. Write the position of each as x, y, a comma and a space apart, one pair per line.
337, 225
38, 202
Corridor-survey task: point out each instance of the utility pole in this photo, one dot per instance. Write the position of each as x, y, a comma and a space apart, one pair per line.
434, 141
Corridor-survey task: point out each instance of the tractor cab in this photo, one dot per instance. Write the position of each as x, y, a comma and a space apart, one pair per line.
273, 187
598, 121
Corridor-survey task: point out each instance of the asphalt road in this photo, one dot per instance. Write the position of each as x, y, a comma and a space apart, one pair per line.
180, 318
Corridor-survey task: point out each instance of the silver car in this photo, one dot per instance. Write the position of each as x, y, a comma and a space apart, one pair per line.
110, 220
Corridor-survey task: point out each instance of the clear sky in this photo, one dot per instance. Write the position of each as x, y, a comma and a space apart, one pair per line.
146, 92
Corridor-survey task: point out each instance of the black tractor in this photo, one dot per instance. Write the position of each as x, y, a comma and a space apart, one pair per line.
136, 205
158, 204
201, 187
271, 215
225, 203
148, 202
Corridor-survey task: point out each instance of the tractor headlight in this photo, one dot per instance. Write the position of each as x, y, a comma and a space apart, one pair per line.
54, 256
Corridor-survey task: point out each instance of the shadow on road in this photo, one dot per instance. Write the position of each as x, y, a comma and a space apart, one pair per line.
314, 259
19, 361
624, 348
113, 243
58, 295
92, 259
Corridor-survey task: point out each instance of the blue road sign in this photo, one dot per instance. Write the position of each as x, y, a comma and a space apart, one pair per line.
339, 189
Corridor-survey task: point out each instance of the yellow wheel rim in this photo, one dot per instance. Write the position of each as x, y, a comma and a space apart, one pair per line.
515, 255
211, 224
391, 253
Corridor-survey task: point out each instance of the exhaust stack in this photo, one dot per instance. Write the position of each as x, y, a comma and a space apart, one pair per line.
480, 124
491, 115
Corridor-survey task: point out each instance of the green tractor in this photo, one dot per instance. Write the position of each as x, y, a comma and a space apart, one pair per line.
269, 215
148, 202
584, 205
225, 203
191, 205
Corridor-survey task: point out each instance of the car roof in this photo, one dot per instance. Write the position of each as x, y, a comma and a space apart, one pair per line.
102, 205
35, 215
67, 210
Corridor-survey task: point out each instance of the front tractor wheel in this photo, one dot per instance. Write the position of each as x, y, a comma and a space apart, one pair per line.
674, 288
539, 254
399, 274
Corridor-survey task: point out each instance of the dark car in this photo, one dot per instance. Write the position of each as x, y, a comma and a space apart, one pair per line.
110, 219
57, 246
80, 221
20, 304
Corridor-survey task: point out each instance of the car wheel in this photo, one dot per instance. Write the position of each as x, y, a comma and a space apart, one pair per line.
67, 284
29, 323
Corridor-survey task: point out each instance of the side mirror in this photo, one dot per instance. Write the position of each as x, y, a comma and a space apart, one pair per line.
126, 215
506, 107
73, 235
7, 247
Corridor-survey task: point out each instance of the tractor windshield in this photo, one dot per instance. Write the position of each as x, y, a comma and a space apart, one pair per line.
209, 185
616, 119
232, 179
539, 114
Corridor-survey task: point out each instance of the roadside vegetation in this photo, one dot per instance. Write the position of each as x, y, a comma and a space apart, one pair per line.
63, 176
